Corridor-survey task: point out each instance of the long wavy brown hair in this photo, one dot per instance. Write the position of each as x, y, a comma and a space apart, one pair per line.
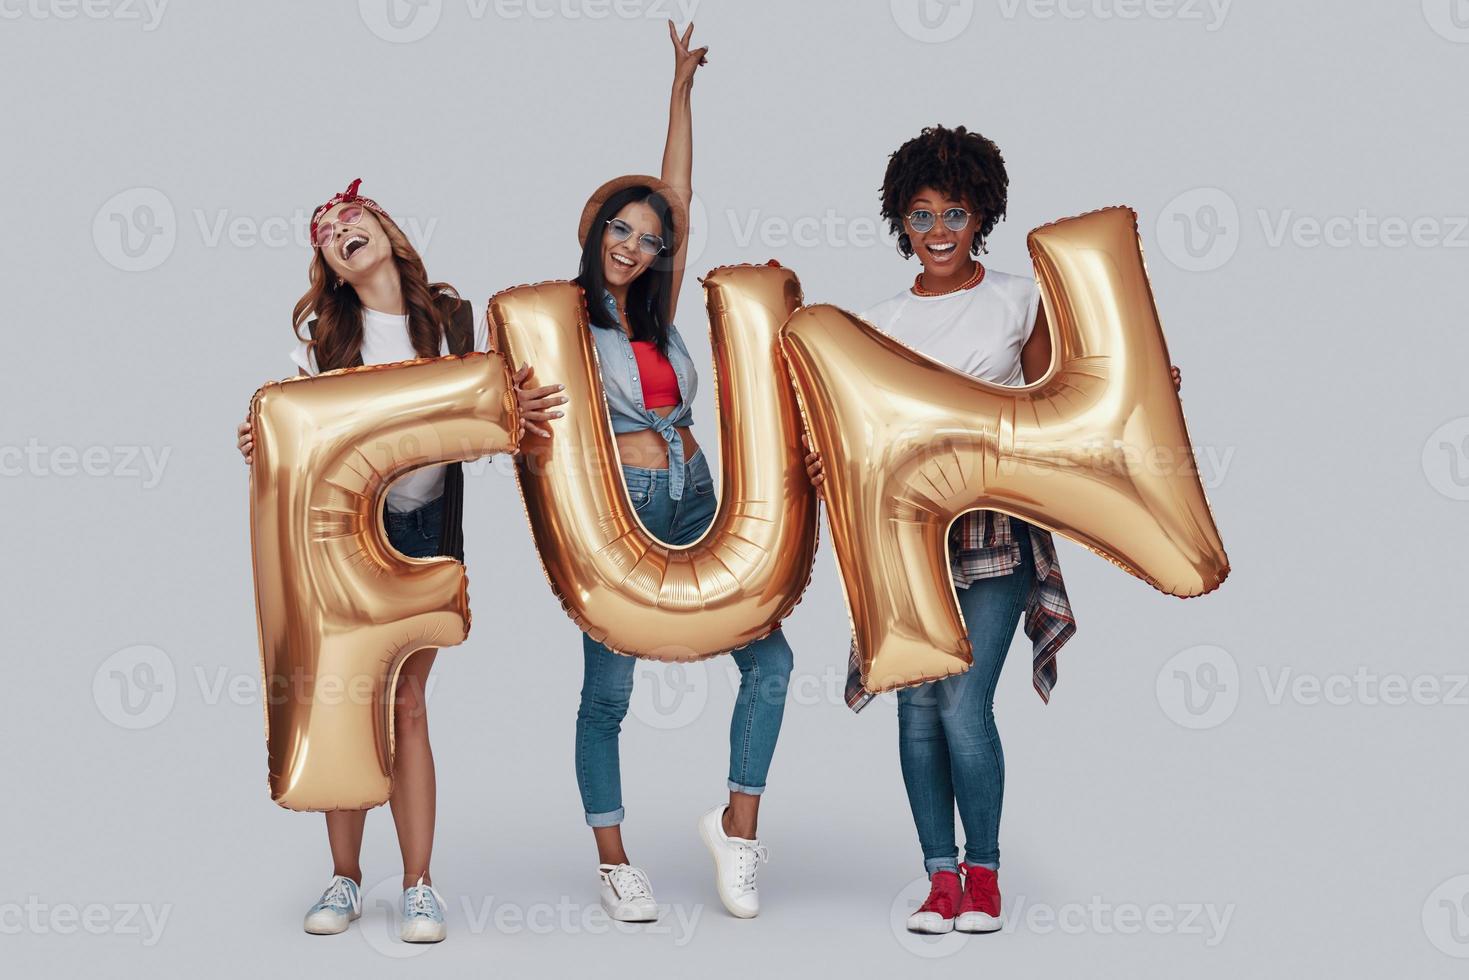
337, 338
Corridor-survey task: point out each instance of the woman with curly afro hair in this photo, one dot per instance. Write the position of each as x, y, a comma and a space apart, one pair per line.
944, 191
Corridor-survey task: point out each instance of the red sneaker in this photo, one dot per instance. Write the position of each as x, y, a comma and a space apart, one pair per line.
979, 911
936, 915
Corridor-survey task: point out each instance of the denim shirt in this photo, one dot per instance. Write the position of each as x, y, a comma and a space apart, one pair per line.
625, 391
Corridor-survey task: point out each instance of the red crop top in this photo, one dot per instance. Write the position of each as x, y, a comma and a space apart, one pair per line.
660, 384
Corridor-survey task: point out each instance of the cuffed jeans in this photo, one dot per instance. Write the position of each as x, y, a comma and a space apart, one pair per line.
947, 740
765, 665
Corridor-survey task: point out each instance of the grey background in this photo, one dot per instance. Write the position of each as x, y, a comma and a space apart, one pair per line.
1171, 773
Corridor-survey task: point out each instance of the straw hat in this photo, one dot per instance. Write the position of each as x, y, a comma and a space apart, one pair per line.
601, 194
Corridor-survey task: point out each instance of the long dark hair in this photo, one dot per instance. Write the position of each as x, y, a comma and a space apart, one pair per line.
337, 337
650, 294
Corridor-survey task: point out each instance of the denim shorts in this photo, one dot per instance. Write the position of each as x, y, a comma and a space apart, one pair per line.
416, 533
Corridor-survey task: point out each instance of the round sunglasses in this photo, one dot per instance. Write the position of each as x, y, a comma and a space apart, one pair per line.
621, 231
922, 220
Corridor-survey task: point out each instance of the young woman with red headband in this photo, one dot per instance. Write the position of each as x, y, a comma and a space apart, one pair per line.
371, 302
944, 191
634, 233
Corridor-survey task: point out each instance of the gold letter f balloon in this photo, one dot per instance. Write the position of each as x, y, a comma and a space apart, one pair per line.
1096, 450
339, 609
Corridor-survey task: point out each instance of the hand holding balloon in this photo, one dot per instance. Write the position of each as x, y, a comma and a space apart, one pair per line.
536, 403
245, 438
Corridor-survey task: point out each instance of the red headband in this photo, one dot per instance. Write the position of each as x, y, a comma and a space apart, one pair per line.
347, 196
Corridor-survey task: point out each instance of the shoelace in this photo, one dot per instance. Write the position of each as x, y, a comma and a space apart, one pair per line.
338, 895
422, 899
629, 882
942, 897
751, 856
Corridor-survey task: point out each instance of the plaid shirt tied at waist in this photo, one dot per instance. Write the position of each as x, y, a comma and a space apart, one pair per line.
983, 546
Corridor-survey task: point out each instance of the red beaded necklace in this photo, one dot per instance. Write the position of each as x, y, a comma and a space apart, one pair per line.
969, 283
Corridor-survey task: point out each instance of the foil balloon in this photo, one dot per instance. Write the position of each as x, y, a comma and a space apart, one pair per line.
340, 610
1096, 450
620, 584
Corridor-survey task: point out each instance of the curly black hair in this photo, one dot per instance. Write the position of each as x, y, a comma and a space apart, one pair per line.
966, 166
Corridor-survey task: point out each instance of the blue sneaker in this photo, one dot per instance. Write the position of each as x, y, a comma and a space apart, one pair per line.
337, 907
423, 914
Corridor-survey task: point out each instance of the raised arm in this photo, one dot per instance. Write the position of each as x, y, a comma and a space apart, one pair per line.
678, 150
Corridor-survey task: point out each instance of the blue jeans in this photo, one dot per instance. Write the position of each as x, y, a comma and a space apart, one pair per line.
947, 741
765, 665
416, 533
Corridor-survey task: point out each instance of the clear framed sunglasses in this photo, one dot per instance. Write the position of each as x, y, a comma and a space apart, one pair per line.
622, 231
922, 220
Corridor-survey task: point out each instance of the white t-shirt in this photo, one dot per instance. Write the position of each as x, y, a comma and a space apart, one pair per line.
385, 341
979, 330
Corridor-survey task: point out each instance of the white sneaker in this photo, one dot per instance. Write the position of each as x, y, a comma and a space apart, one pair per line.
626, 894
423, 914
337, 907
736, 861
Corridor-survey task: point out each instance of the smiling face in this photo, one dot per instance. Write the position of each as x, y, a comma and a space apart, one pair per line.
352, 241
942, 252
623, 261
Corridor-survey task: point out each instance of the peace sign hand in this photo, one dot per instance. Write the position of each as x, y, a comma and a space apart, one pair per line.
685, 62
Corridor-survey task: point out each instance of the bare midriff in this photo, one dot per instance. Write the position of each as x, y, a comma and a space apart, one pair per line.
647, 449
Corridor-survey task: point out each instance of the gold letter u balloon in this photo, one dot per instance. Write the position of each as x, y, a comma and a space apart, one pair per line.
620, 584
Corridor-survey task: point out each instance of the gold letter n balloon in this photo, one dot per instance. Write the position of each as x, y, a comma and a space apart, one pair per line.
620, 584
339, 609
1096, 450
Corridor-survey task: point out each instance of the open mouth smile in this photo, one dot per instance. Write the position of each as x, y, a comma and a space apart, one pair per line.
351, 246
621, 259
